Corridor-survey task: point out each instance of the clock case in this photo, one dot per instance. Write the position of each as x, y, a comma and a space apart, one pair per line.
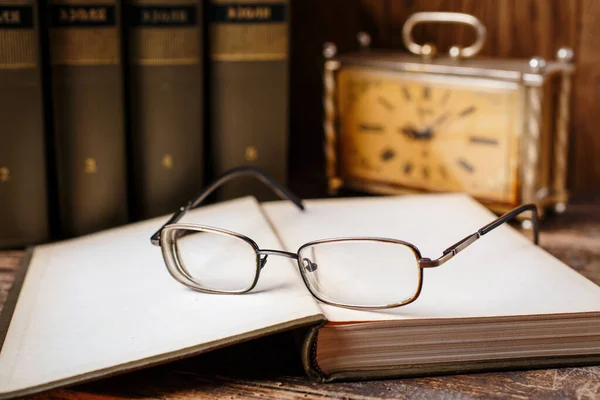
543, 144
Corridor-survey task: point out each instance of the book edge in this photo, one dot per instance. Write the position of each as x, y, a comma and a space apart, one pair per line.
471, 320
13, 295
309, 354
410, 371
312, 369
318, 319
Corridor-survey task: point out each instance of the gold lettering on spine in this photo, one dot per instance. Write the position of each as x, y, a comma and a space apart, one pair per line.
251, 153
10, 17
248, 13
165, 17
90, 166
171, 43
96, 14
231, 13
167, 161
86, 43
19, 46
4, 174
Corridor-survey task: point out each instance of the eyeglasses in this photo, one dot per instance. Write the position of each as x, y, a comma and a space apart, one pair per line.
356, 272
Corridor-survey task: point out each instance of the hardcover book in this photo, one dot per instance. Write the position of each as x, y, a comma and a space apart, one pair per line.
104, 303
249, 90
89, 125
23, 188
166, 103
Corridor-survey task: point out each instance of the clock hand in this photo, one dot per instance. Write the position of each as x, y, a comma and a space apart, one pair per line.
425, 134
441, 119
416, 134
410, 132
428, 133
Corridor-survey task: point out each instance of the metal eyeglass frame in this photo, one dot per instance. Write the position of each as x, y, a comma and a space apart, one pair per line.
166, 237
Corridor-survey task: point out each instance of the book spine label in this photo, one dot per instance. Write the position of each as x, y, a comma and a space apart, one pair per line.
249, 90
166, 103
88, 105
15, 16
149, 14
243, 31
23, 188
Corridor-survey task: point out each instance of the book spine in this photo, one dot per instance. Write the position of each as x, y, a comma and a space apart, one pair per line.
88, 112
309, 354
166, 103
249, 90
23, 188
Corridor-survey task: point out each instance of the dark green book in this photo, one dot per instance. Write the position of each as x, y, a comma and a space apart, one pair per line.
248, 86
23, 188
88, 113
166, 103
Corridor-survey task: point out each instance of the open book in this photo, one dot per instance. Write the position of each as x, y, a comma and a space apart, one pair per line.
105, 303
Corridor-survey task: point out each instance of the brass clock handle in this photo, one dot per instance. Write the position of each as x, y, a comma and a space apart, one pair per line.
443, 17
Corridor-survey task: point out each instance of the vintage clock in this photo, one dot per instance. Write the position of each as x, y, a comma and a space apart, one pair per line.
494, 128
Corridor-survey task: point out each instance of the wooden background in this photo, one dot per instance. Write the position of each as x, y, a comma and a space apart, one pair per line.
516, 28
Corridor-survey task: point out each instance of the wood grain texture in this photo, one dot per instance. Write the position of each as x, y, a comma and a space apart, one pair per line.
585, 174
314, 22
237, 372
516, 28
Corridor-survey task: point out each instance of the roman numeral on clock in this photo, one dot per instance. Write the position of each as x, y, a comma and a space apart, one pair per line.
385, 103
483, 140
406, 93
466, 165
467, 111
370, 128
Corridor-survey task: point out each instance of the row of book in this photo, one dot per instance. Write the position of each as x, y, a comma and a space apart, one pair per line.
114, 111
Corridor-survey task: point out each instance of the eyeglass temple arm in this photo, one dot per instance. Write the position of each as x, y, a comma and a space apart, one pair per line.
467, 241
228, 175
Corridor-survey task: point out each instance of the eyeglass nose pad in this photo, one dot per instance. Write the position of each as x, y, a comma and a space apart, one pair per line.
309, 266
263, 261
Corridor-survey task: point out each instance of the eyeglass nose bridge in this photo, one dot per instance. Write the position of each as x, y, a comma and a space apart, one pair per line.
267, 252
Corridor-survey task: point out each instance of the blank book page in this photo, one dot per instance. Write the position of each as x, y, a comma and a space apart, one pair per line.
107, 299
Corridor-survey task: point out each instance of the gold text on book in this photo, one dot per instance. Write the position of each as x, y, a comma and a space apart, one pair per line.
94, 14
10, 17
4, 174
251, 153
90, 166
167, 161
164, 16
248, 13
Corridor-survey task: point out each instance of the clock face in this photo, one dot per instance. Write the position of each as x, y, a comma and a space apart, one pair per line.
436, 133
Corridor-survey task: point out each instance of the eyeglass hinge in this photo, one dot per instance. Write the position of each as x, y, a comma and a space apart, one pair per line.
428, 263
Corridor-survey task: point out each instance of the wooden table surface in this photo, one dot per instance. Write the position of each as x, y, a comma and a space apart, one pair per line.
234, 372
